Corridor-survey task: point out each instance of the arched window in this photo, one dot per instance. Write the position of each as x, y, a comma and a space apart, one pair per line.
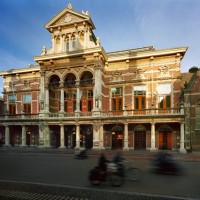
86, 79
70, 80
54, 81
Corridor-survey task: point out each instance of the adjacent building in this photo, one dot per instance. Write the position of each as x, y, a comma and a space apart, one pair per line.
78, 95
191, 99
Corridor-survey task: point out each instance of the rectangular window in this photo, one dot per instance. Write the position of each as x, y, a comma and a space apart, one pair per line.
27, 98
67, 45
66, 106
27, 108
164, 101
27, 103
11, 98
90, 105
140, 97
74, 44
12, 109
117, 98
168, 101
117, 92
90, 94
12, 105
117, 104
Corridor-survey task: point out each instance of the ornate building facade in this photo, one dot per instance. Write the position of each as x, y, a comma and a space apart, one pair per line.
81, 96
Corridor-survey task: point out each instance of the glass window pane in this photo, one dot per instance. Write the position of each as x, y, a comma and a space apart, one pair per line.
27, 98
11, 98
113, 104
161, 101
120, 104
168, 102
143, 103
136, 103
117, 92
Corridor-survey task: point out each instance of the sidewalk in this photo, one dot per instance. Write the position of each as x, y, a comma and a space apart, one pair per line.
32, 191
132, 154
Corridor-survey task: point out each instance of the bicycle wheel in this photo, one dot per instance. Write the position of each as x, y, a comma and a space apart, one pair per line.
133, 174
116, 180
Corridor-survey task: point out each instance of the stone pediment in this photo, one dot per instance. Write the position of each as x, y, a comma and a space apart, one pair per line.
68, 16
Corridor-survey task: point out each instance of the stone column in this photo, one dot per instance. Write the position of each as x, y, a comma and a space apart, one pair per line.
70, 42
153, 138
62, 136
182, 139
47, 141
53, 42
77, 98
126, 137
62, 98
47, 100
42, 86
41, 134
77, 136
85, 38
7, 135
61, 43
23, 136
101, 137
96, 135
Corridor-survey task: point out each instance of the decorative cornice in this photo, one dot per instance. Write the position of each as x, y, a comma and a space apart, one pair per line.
70, 54
151, 52
20, 70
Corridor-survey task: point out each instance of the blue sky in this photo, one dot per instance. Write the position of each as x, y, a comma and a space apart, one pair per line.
120, 24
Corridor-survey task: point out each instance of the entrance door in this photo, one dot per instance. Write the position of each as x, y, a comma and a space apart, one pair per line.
28, 139
165, 140
140, 139
117, 140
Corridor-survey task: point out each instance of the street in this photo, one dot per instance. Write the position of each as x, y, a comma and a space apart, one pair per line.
62, 169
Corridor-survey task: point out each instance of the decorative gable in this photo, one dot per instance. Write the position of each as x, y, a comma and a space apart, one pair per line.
68, 16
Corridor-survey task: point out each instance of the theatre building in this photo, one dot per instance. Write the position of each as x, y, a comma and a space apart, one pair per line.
78, 95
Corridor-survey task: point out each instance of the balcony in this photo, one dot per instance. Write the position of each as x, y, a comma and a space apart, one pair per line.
123, 114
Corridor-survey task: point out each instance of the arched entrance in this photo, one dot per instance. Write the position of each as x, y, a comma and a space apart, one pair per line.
55, 135
117, 137
86, 136
165, 137
140, 137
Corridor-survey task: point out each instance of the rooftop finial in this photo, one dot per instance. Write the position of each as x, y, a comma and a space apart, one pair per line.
69, 5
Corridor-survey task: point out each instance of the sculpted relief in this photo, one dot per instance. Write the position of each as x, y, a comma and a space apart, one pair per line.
68, 18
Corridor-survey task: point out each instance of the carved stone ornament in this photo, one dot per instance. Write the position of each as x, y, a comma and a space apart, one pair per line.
69, 5
68, 18
97, 126
164, 71
116, 76
26, 84
140, 128
139, 73
11, 85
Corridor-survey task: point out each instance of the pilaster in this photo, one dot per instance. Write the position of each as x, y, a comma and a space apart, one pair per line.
182, 139
126, 137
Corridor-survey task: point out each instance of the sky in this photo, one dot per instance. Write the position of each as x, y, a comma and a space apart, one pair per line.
120, 25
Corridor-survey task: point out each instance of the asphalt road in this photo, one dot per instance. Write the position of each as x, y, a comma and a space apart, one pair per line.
64, 170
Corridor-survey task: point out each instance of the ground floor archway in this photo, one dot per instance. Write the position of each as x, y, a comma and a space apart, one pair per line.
165, 137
